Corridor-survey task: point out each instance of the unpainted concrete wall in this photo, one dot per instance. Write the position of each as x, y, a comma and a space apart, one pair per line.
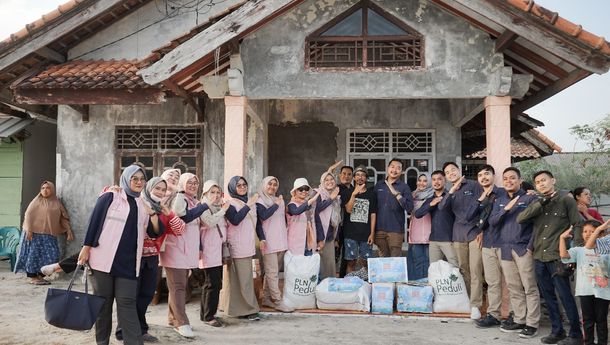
157, 29
459, 59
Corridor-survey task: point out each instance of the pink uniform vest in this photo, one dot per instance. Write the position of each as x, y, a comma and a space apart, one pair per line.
102, 256
211, 254
274, 228
182, 251
420, 228
241, 237
325, 218
297, 232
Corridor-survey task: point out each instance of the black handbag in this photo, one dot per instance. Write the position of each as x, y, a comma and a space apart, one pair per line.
72, 309
226, 253
564, 270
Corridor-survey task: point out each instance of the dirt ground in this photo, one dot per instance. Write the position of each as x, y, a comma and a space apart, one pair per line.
22, 322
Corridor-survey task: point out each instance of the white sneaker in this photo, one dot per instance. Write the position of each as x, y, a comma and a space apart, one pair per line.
48, 270
284, 308
475, 313
185, 331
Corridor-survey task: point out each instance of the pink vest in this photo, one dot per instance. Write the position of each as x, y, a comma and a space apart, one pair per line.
297, 232
182, 251
325, 218
102, 256
241, 237
211, 255
420, 228
275, 231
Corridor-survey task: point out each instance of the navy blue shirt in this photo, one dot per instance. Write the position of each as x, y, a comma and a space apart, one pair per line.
295, 210
390, 210
491, 233
263, 213
194, 213
464, 204
321, 206
442, 220
124, 263
514, 236
235, 217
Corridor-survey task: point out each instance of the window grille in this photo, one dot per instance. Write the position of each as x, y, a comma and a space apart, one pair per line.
391, 142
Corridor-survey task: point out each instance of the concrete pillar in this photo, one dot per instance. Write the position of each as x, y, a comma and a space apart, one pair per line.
497, 133
235, 137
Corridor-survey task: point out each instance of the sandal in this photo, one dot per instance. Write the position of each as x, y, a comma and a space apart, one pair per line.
213, 323
39, 282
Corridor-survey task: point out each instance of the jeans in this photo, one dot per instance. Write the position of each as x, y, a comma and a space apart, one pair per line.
548, 283
417, 261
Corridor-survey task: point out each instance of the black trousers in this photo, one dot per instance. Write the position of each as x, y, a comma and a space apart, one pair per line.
69, 264
594, 317
210, 291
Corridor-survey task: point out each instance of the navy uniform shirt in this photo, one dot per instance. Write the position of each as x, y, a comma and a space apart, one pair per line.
390, 210
464, 204
514, 236
491, 234
442, 220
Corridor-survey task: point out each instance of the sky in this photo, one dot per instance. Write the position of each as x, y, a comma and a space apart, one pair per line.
586, 102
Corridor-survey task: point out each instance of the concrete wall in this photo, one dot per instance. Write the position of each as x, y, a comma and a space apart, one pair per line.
39, 159
459, 59
155, 25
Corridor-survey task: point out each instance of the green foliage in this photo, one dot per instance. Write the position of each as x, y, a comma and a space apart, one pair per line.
596, 136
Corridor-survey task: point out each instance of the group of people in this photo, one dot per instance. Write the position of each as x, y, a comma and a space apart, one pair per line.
493, 234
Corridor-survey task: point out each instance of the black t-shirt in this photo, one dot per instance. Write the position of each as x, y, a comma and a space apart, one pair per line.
357, 225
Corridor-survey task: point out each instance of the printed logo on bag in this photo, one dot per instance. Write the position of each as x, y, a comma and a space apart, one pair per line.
450, 286
305, 287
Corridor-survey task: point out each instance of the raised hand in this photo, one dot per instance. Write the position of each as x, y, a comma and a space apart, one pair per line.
333, 167
279, 200
359, 189
437, 200
457, 185
335, 193
511, 204
566, 234
252, 200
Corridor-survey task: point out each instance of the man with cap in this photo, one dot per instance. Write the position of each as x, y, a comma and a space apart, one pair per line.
360, 220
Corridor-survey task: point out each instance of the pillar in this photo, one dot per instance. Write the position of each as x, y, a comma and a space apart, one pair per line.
497, 133
235, 137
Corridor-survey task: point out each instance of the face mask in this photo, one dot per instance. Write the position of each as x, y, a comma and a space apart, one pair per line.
155, 198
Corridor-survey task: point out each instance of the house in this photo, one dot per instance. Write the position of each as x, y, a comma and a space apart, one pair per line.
286, 87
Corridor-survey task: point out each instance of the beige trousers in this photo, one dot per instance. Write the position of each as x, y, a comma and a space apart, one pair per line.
389, 243
271, 289
471, 267
523, 290
238, 294
177, 280
493, 278
442, 251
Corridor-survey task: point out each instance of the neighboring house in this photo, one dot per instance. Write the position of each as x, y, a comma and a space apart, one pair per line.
286, 87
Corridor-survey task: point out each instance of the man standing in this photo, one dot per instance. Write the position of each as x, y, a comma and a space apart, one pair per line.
359, 223
393, 200
345, 192
441, 235
553, 214
462, 200
491, 243
517, 261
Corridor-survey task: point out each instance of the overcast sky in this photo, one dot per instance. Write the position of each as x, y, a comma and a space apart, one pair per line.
585, 102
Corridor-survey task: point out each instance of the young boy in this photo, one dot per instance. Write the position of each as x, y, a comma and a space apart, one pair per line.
591, 280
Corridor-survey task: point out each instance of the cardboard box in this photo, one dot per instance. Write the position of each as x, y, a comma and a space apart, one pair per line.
387, 270
414, 298
383, 298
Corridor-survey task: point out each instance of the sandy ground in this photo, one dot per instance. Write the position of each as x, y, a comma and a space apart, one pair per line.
22, 322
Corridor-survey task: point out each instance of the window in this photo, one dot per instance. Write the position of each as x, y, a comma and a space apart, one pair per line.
365, 36
159, 148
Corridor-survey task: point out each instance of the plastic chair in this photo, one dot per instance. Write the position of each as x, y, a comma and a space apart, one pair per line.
9, 241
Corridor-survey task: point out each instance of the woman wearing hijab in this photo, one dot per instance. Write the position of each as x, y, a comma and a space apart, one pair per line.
154, 195
419, 233
213, 234
239, 299
113, 248
300, 219
45, 219
182, 252
273, 237
327, 219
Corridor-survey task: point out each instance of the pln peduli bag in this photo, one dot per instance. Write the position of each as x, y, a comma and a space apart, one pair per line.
72, 309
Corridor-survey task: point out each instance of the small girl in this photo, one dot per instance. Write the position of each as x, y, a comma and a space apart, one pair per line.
591, 280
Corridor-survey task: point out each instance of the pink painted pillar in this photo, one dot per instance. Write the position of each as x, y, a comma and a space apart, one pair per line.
235, 137
497, 132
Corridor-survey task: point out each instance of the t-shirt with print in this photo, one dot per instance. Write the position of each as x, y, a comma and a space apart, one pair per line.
591, 272
357, 225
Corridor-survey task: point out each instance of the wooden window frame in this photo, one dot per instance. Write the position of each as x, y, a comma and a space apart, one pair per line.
365, 40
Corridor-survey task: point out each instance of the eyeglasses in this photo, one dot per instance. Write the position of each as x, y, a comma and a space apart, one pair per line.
192, 183
138, 179
242, 185
303, 189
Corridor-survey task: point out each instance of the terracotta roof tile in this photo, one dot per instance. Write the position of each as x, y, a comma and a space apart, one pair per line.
95, 74
520, 148
546, 140
562, 24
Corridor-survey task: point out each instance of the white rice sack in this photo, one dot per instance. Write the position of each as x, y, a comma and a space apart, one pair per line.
349, 293
301, 277
450, 294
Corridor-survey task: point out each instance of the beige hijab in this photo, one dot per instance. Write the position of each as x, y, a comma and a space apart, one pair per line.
46, 215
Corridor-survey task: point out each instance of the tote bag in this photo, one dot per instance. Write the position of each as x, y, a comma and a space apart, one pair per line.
72, 309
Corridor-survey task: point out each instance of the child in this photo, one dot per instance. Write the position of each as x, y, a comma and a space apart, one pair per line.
591, 280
